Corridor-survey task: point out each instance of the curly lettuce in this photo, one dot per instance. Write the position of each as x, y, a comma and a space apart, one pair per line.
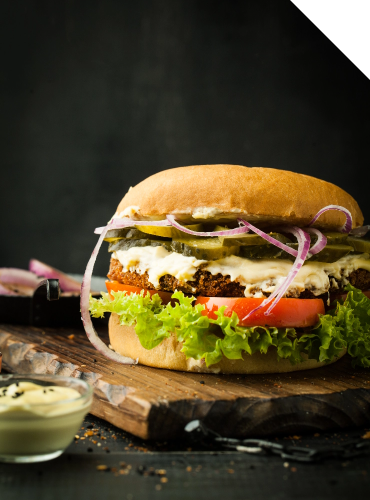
346, 326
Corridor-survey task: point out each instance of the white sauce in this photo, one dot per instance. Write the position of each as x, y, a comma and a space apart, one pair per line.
21, 397
263, 275
157, 261
258, 276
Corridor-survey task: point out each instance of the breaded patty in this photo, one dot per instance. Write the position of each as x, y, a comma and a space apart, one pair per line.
209, 285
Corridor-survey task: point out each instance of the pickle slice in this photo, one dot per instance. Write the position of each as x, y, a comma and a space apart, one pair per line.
203, 248
263, 252
129, 233
359, 244
331, 253
126, 244
170, 232
248, 239
333, 238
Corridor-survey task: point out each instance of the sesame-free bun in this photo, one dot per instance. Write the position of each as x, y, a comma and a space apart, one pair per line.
167, 354
225, 192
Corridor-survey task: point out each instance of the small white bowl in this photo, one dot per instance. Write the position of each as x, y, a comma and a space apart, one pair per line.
35, 432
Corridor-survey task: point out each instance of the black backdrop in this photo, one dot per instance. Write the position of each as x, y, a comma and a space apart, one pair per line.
97, 95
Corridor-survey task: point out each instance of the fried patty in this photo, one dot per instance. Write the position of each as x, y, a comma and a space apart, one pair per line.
209, 285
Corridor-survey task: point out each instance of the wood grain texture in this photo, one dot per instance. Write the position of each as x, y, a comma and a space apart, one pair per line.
156, 404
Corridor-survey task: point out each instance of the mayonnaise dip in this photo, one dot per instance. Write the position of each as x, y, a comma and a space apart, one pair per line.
39, 420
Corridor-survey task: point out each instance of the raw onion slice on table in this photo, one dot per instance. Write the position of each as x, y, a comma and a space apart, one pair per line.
66, 283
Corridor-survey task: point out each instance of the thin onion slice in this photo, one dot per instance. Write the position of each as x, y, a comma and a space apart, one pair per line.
227, 232
359, 232
86, 318
347, 226
269, 238
7, 291
303, 248
67, 284
14, 276
320, 243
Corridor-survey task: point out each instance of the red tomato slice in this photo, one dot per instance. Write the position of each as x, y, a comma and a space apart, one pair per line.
287, 313
115, 286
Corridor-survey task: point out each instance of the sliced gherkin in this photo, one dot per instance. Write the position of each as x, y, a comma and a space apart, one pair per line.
170, 232
333, 238
129, 233
204, 248
248, 239
331, 253
359, 244
263, 252
126, 244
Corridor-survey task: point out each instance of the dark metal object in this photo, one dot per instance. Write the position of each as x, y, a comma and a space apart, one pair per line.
349, 450
51, 286
47, 307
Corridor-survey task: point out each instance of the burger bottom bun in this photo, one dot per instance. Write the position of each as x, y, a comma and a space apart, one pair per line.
167, 354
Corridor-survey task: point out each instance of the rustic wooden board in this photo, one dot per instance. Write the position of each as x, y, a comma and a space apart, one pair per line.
156, 404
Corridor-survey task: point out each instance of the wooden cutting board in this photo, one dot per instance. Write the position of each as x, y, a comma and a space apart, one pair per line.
157, 404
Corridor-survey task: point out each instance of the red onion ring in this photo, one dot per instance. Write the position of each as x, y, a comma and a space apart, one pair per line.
320, 243
67, 284
85, 314
227, 232
303, 248
270, 239
347, 226
358, 232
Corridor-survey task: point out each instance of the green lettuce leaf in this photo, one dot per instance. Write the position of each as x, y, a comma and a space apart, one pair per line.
345, 326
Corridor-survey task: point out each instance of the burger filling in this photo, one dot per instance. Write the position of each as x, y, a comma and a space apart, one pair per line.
164, 260
156, 268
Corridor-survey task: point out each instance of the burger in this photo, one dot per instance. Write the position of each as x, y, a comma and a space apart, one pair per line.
230, 269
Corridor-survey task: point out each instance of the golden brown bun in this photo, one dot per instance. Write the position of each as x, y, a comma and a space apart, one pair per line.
167, 354
256, 193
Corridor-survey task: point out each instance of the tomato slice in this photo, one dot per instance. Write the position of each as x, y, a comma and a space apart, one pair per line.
115, 286
287, 312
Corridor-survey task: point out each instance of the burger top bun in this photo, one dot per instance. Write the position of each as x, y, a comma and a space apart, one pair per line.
225, 192
168, 355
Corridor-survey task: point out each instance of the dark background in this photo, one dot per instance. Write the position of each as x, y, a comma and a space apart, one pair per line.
97, 95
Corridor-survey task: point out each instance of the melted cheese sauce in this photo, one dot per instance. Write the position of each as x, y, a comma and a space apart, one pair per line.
258, 276
157, 262
263, 275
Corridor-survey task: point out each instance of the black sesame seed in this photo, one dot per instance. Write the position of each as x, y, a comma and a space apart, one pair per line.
17, 394
94, 360
202, 382
52, 390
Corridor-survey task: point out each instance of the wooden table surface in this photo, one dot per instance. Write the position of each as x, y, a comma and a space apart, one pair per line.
113, 464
